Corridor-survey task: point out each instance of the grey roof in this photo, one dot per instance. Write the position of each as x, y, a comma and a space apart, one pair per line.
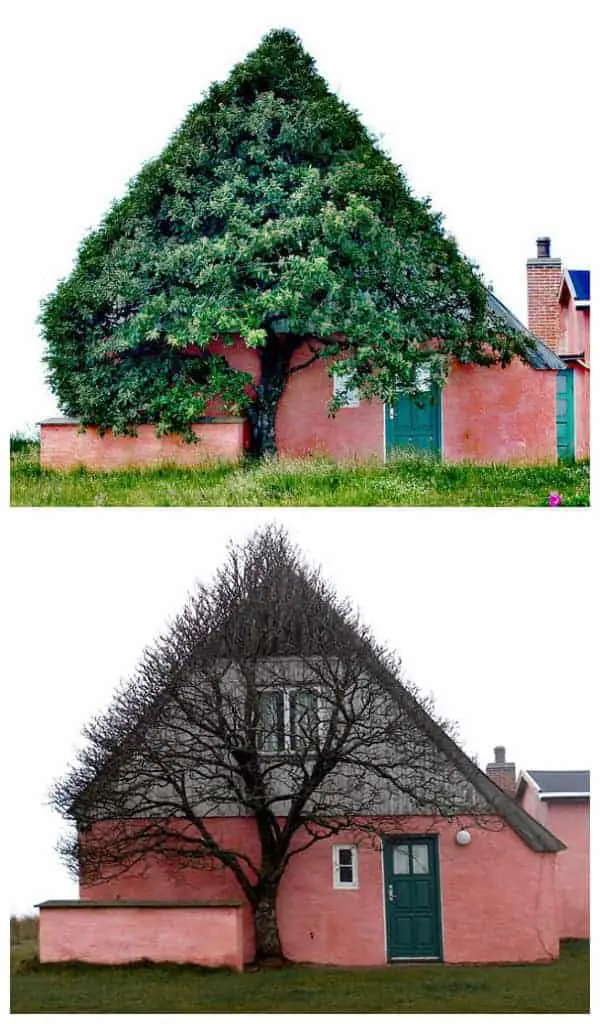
540, 356
561, 782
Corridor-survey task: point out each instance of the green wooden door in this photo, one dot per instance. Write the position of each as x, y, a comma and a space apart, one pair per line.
565, 420
412, 898
415, 423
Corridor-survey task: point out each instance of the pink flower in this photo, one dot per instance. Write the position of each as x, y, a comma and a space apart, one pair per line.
554, 499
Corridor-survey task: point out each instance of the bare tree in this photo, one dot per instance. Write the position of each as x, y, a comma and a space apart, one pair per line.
267, 698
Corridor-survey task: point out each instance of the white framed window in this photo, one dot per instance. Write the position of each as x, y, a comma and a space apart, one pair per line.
343, 390
345, 867
423, 378
288, 719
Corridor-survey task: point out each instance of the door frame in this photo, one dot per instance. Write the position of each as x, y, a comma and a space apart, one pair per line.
391, 837
439, 451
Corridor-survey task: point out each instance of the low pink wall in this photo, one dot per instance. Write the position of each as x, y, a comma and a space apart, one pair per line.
210, 936
490, 414
65, 445
498, 896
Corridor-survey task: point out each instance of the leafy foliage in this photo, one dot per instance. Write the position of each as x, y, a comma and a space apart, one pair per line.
272, 215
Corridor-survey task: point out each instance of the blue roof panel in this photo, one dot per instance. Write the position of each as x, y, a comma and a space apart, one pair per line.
580, 279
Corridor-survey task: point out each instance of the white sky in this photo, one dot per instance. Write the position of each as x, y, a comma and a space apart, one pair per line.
490, 611
487, 106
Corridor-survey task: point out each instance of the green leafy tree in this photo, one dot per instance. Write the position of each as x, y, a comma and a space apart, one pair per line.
273, 215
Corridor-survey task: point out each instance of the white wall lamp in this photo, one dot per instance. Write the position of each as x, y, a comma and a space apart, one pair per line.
463, 838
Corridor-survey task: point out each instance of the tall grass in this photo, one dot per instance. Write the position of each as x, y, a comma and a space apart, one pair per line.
25, 442
317, 481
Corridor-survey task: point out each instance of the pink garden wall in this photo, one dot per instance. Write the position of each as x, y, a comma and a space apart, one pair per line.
497, 896
64, 445
114, 934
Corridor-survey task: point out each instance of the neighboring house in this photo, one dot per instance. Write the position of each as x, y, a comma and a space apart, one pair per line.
560, 800
475, 884
533, 411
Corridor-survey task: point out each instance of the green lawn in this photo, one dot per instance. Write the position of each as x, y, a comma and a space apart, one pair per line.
560, 987
409, 480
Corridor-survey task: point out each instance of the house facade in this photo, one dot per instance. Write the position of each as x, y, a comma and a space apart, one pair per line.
561, 801
414, 893
473, 884
532, 411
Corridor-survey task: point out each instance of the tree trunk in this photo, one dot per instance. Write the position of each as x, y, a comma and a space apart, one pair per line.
266, 931
274, 366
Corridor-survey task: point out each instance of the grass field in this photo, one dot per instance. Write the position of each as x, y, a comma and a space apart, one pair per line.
409, 480
560, 987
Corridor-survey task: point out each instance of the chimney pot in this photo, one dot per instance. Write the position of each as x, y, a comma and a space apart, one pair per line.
499, 755
543, 248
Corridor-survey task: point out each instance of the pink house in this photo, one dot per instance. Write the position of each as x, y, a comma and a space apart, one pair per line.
531, 411
561, 801
271, 744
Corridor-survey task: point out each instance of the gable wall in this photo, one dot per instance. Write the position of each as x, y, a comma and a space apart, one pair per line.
574, 328
498, 896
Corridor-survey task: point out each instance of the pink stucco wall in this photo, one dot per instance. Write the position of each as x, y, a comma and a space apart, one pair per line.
210, 936
490, 414
303, 425
569, 820
498, 896
65, 445
581, 388
574, 328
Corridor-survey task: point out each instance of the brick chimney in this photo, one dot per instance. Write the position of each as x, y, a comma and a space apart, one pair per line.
543, 280
501, 772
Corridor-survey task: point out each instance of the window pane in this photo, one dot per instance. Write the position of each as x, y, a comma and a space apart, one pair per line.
401, 860
303, 718
423, 378
270, 726
343, 389
420, 854
344, 859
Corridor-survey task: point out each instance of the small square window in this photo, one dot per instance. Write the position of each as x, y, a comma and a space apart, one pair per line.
345, 867
343, 390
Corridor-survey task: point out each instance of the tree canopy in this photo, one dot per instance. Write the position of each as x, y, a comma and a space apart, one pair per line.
273, 215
